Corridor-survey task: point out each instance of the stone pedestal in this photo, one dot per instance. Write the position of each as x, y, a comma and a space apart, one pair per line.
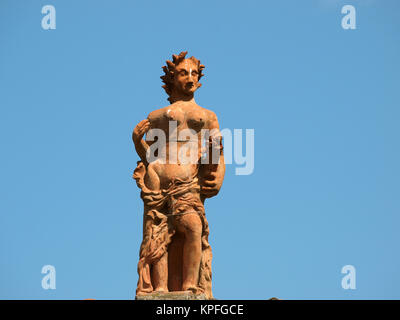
174, 295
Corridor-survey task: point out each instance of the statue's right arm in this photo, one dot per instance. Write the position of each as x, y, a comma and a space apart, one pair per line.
137, 136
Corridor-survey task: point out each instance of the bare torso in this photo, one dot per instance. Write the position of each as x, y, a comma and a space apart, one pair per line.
174, 120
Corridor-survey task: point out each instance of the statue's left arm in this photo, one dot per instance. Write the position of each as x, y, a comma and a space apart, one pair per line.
212, 174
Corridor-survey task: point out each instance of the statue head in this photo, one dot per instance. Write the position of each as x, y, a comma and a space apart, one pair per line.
182, 77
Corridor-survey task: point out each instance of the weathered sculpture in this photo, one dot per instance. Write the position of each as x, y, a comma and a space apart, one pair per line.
175, 254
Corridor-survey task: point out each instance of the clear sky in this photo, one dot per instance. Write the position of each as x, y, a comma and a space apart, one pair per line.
324, 104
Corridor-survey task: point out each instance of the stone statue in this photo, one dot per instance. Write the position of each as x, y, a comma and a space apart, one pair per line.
175, 254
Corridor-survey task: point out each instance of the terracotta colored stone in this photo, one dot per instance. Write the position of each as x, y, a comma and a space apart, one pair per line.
175, 254
173, 295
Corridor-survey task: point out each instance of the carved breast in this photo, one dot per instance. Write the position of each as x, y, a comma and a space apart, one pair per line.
195, 119
175, 114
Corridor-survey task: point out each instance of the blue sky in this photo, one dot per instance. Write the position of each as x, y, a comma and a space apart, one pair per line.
324, 104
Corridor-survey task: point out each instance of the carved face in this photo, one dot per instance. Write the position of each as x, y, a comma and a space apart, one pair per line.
186, 77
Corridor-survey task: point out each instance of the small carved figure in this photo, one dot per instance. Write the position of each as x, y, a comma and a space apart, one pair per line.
175, 254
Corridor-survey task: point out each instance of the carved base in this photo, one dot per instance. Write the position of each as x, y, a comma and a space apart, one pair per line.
174, 295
